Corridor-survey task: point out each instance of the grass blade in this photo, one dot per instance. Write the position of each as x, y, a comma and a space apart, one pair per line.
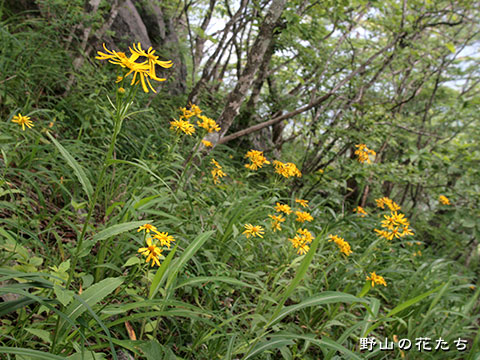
91, 296
77, 169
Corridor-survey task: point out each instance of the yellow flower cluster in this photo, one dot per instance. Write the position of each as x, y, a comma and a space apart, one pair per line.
193, 111
286, 169
276, 220
153, 250
360, 211
393, 224
217, 172
303, 203
301, 241
257, 160
364, 153
376, 279
392, 205
183, 124
444, 200
283, 208
251, 230
342, 244
144, 69
208, 124
303, 216
23, 121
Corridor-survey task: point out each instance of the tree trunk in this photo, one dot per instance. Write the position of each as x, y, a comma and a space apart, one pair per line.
254, 60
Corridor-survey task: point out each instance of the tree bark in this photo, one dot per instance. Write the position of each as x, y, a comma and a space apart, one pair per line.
254, 60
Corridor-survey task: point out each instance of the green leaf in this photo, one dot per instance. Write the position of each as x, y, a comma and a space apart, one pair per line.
159, 276
64, 266
10, 306
401, 307
91, 296
63, 295
154, 351
109, 232
450, 47
187, 255
118, 229
268, 345
77, 169
411, 302
87, 355
327, 297
30, 354
41, 334
205, 279
366, 288
134, 260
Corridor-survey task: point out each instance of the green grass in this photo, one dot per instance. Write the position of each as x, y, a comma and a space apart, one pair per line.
71, 277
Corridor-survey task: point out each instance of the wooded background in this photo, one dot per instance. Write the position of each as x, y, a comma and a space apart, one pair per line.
400, 76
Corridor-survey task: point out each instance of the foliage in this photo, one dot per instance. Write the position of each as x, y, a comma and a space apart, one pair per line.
248, 267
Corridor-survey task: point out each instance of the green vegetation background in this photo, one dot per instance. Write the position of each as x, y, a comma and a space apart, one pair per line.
219, 294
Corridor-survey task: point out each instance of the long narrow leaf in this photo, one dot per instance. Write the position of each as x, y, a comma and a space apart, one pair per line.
187, 255
159, 277
327, 297
117, 229
91, 296
77, 169
30, 354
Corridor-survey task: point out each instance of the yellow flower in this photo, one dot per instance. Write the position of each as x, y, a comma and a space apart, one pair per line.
363, 153
207, 143
303, 249
342, 244
23, 121
217, 172
208, 124
283, 208
382, 233
215, 163
187, 114
303, 203
286, 169
257, 159
306, 235
394, 219
395, 232
164, 238
376, 279
444, 200
389, 222
182, 125
276, 220
301, 241
303, 216
195, 109
392, 205
144, 70
152, 252
360, 211
147, 228
152, 60
406, 231
254, 231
